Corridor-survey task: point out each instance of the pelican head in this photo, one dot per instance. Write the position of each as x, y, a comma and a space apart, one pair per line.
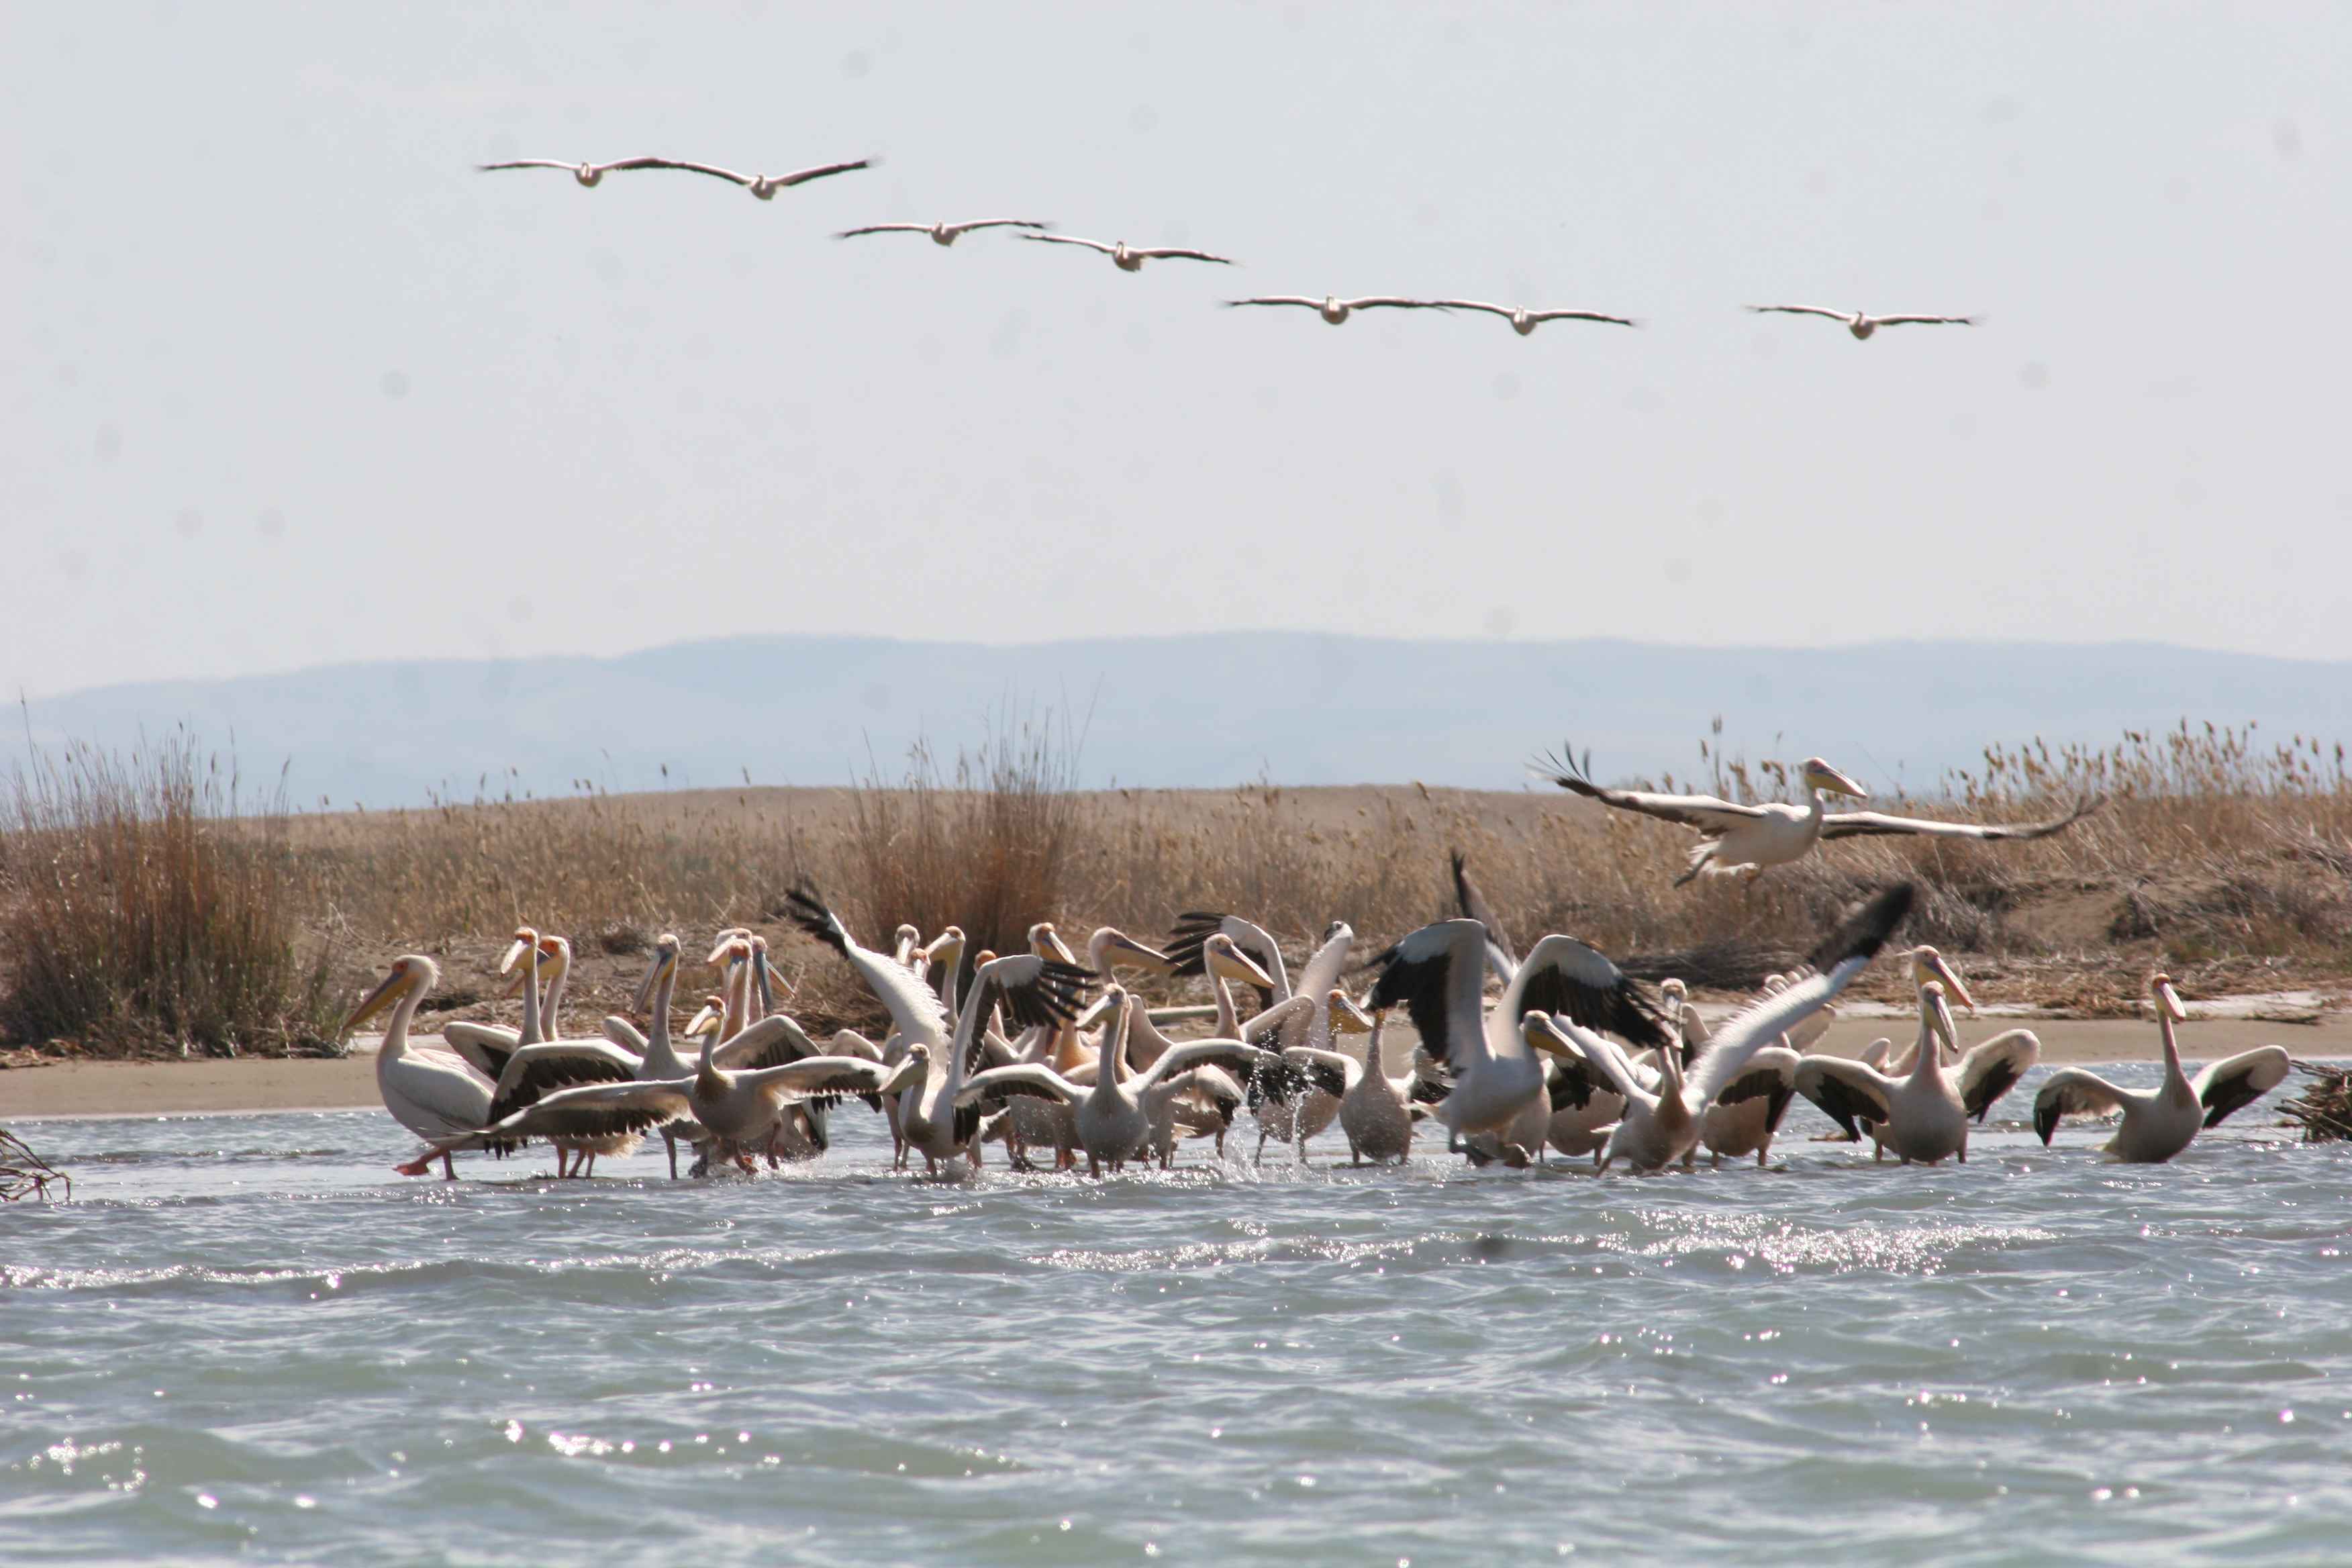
945, 948
1672, 993
1927, 964
1522, 322
1820, 775
1110, 947
525, 938
410, 972
733, 948
1542, 1034
1347, 1018
2167, 1000
1939, 1014
1047, 942
588, 175
712, 1016
1230, 962
1125, 259
667, 948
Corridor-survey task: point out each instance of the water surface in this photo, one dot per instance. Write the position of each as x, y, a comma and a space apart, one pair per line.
247, 1337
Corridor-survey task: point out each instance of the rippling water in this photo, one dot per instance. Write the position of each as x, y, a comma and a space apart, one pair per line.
245, 1336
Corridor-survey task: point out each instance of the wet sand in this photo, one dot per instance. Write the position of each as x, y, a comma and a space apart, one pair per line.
195, 1087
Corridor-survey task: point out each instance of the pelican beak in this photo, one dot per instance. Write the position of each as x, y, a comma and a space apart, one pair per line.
524, 940
1097, 1010
1541, 1034
777, 977
1047, 942
704, 1021
2169, 1000
1234, 964
1347, 1018
667, 961
1928, 965
729, 951
1829, 778
376, 1000
1136, 956
1939, 1017
944, 948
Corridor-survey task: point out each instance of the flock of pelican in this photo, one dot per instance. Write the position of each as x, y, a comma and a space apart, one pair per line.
1048, 1053
1333, 309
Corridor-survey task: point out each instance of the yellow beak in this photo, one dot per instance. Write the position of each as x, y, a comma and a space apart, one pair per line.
376, 1001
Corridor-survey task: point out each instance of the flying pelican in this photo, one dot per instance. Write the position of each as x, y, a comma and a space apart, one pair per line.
763, 186
1437, 973
1924, 1114
2160, 1122
1862, 325
1334, 309
439, 1095
1130, 258
1732, 837
1116, 1114
1524, 321
1664, 1124
943, 234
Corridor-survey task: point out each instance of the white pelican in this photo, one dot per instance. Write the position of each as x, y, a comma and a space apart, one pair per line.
1334, 309
1375, 1111
1732, 837
1926, 964
909, 946
1287, 1109
1862, 325
1745, 1125
1524, 321
541, 1065
943, 234
487, 1045
1032, 990
660, 1059
1117, 1113
439, 1095
763, 186
2160, 1123
1130, 258
1437, 973
1922, 1116
1664, 1124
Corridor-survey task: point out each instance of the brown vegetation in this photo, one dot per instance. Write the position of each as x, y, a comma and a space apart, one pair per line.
2225, 862
25, 1174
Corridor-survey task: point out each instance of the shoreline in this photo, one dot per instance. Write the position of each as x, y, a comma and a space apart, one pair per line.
254, 1086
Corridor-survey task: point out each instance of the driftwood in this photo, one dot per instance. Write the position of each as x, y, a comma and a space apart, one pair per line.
25, 1174
2323, 1109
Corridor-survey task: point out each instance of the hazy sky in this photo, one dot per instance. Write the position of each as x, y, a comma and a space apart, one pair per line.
287, 381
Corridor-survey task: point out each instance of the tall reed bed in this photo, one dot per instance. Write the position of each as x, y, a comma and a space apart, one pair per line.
145, 900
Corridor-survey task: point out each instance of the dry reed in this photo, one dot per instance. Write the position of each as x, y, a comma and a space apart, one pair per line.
25, 1174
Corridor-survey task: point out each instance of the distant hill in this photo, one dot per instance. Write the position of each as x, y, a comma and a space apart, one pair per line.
1208, 710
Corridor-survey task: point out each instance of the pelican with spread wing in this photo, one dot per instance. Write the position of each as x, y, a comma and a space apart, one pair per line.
1733, 836
1863, 325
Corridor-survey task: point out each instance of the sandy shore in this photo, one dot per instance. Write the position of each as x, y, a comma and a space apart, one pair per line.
195, 1087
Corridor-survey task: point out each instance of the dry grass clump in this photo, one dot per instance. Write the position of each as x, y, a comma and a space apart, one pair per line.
141, 901
2323, 1109
25, 1174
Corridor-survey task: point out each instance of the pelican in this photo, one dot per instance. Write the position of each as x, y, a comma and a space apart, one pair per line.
943, 234
1923, 1115
660, 1059
1032, 991
1524, 321
1375, 1111
763, 186
487, 1045
1334, 309
2160, 1122
541, 1065
1745, 1125
1664, 1124
1130, 258
1436, 972
1862, 325
1733, 836
1926, 964
1115, 1115
439, 1095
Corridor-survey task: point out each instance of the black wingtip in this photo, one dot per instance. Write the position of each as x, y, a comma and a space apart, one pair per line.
806, 907
1867, 931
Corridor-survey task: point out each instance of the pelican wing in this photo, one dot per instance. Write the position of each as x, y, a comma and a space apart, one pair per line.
1422, 971
1871, 824
1562, 974
1848, 1092
1391, 302
600, 1110
1177, 253
1582, 316
2236, 1082
1277, 1019
2073, 1091
1844, 954
1265, 298
915, 1010
1473, 906
969, 224
1326, 1071
485, 1047
1193, 931
1993, 1069
1227, 1056
885, 228
530, 163
991, 1089
822, 171
1770, 1075
1801, 311
534, 1072
1570, 1083
772, 1042
622, 1033
1926, 320
1704, 812
435, 1094
1504, 311
1608, 1066
1071, 239
812, 1076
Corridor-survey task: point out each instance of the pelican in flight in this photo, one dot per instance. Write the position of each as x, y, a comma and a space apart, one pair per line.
1334, 309
943, 234
2160, 1123
1922, 1115
439, 1095
1734, 836
763, 186
1663, 1124
1524, 321
1862, 325
1130, 258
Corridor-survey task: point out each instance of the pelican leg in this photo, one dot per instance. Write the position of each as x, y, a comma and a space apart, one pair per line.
671, 1139
448, 1167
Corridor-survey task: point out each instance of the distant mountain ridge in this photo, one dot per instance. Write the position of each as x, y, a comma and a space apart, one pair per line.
1204, 709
